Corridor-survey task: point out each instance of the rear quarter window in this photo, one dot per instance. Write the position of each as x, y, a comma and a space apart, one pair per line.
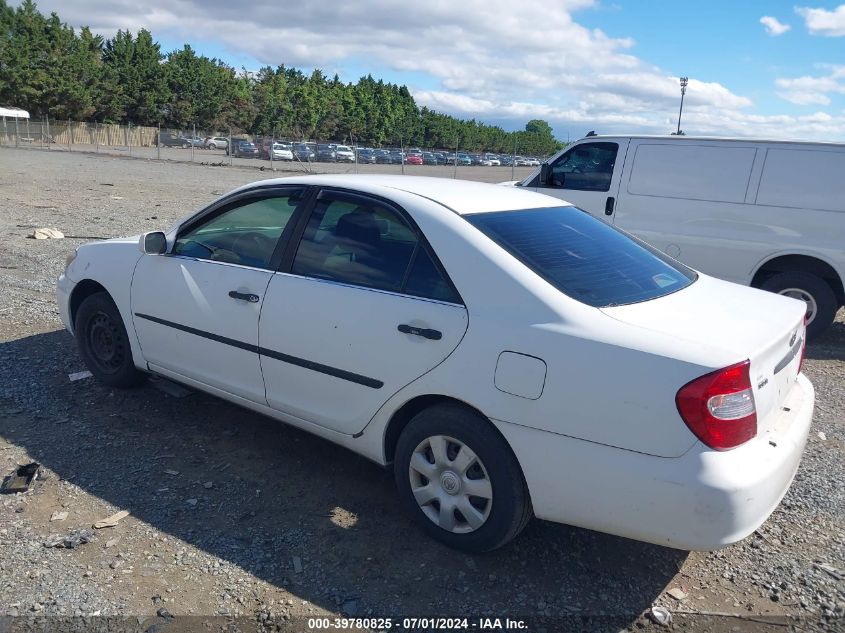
585, 258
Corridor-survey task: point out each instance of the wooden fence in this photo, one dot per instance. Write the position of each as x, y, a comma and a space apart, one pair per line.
78, 133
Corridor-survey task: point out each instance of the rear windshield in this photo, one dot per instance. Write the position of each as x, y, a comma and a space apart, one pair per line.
583, 257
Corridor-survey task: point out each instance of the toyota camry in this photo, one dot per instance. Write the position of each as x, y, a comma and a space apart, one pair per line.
506, 354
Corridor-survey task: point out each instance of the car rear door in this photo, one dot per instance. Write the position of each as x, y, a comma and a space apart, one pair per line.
361, 308
588, 176
196, 308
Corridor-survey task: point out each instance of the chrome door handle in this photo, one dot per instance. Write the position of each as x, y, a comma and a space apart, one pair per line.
244, 296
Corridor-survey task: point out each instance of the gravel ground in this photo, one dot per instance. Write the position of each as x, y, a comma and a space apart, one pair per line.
237, 516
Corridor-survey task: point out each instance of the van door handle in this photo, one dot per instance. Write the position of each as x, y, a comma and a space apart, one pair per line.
434, 335
608, 206
244, 296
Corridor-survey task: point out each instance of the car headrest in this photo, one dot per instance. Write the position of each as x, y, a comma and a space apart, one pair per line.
358, 226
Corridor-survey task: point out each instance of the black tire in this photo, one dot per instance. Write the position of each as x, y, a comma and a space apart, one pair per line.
103, 343
510, 508
817, 288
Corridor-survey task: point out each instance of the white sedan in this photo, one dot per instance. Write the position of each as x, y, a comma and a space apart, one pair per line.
282, 151
508, 354
217, 142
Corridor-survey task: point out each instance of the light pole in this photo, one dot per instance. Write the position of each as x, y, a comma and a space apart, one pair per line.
684, 82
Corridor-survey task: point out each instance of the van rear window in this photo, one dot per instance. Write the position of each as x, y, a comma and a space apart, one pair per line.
585, 258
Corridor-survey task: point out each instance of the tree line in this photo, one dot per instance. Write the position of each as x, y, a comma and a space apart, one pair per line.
48, 68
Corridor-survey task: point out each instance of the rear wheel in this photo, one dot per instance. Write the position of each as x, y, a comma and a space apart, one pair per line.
460, 480
813, 291
103, 343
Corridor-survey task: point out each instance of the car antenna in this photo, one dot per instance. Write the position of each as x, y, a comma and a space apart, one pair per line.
591, 133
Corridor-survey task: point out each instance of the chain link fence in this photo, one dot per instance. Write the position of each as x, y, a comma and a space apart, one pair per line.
277, 153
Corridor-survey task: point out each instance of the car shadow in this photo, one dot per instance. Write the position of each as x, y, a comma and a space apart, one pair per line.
279, 493
830, 344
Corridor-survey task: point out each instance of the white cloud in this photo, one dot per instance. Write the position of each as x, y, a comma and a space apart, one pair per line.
475, 58
809, 90
824, 22
804, 97
774, 27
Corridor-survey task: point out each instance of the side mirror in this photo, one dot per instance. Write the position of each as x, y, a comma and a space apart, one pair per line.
546, 175
153, 243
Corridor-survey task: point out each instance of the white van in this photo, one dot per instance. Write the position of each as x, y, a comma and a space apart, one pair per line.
769, 214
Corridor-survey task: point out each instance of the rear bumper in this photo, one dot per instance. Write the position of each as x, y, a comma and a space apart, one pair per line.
702, 500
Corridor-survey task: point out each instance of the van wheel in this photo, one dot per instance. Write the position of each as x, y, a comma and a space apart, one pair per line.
812, 290
103, 343
460, 480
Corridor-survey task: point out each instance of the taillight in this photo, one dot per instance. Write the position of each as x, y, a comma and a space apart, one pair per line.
719, 407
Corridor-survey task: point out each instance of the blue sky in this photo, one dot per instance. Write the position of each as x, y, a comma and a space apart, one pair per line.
724, 42
756, 68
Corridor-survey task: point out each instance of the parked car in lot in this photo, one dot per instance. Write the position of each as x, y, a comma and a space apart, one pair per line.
344, 154
768, 214
196, 141
382, 157
620, 391
304, 152
366, 156
243, 149
326, 153
282, 151
414, 159
216, 142
168, 139
429, 158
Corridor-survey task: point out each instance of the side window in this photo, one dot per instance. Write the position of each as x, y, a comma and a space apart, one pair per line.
368, 244
426, 280
586, 167
246, 233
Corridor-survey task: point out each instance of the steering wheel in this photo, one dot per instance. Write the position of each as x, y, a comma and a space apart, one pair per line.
253, 246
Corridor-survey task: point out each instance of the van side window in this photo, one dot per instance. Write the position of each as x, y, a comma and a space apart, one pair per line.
586, 167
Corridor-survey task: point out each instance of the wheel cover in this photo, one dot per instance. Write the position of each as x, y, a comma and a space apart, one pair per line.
105, 342
806, 297
450, 484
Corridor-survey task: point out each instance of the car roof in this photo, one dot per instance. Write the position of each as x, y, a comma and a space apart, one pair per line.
461, 196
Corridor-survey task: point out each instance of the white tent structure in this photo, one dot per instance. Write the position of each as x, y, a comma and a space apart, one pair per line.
14, 113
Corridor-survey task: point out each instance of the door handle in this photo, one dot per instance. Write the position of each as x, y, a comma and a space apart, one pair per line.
608, 206
244, 296
434, 335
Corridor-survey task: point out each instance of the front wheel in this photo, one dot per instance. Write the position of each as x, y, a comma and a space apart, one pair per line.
813, 291
460, 480
103, 343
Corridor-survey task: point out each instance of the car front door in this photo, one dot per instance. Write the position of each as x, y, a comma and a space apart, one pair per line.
361, 309
588, 176
195, 309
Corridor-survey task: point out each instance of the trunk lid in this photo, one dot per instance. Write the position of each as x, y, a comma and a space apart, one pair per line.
765, 328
